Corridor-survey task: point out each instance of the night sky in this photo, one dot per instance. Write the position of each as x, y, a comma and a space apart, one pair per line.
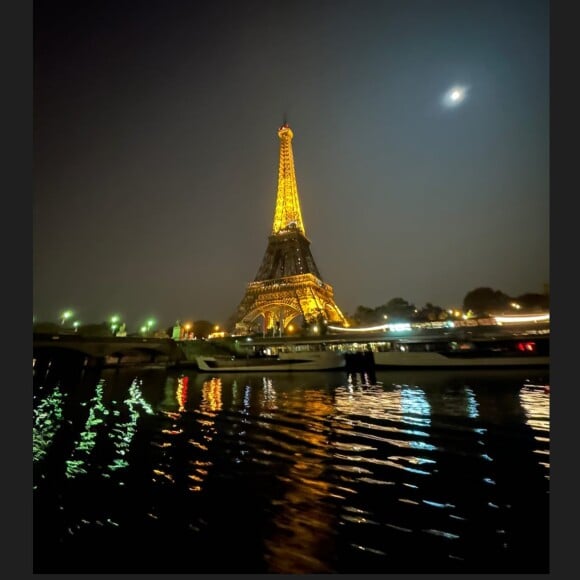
156, 153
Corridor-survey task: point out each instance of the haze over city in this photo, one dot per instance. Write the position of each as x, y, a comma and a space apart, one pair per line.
420, 145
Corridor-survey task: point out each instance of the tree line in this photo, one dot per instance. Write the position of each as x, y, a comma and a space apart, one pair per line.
480, 302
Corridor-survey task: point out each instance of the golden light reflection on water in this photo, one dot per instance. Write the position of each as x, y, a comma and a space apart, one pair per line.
535, 401
211, 395
181, 392
211, 403
304, 525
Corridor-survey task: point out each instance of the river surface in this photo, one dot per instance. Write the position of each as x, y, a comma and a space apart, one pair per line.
146, 470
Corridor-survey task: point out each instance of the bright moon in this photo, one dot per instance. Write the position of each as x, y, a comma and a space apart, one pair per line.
454, 96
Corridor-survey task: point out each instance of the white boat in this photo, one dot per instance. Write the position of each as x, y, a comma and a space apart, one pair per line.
308, 360
487, 353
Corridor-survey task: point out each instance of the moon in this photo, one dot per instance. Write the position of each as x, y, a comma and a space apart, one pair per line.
455, 96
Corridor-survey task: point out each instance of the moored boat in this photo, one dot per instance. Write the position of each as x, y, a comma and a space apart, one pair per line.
311, 360
449, 353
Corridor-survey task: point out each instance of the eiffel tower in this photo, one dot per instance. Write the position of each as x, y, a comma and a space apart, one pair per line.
288, 284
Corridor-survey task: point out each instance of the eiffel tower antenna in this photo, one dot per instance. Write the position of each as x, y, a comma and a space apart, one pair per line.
284, 120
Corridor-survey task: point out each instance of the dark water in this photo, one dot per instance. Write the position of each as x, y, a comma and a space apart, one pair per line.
148, 471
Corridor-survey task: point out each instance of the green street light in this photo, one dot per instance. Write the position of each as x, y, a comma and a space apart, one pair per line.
114, 320
66, 315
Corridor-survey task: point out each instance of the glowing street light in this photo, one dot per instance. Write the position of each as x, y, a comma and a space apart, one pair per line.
65, 316
114, 321
146, 328
76, 325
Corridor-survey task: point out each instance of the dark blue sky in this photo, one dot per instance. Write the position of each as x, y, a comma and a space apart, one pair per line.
155, 150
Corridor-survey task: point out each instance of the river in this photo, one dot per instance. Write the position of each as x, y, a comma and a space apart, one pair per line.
147, 470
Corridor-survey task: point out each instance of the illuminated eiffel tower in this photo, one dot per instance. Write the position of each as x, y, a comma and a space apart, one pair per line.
288, 284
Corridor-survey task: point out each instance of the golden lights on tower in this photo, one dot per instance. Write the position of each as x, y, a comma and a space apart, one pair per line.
287, 214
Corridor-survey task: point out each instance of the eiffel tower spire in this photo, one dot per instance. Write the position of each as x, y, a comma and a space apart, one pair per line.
288, 214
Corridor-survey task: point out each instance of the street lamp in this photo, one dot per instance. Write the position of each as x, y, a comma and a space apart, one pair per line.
65, 316
76, 325
148, 326
114, 321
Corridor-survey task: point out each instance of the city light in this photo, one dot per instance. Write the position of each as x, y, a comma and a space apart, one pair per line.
397, 327
516, 319
114, 323
65, 316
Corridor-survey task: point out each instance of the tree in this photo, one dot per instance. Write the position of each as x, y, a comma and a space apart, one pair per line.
484, 301
531, 302
202, 328
431, 313
399, 310
364, 315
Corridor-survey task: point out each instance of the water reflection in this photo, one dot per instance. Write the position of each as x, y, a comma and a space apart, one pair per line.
302, 539
535, 400
119, 432
211, 396
293, 473
182, 392
88, 437
47, 419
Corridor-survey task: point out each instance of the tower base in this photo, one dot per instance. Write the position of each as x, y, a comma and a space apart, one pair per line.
273, 304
